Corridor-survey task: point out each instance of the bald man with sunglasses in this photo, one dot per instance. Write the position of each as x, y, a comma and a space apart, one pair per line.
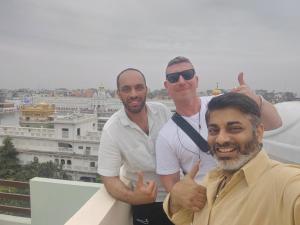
176, 153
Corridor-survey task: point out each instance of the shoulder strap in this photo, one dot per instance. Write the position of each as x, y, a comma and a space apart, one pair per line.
191, 132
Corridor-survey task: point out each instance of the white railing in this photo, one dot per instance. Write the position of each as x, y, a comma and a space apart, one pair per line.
64, 149
87, 138
44, 133
27, 132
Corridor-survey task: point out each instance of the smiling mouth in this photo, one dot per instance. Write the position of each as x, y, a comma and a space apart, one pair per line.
225, 150
134, 103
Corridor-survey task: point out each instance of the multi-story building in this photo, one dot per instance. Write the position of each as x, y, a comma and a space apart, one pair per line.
72, 142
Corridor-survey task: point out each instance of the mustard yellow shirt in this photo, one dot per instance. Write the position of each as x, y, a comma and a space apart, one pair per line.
263, 192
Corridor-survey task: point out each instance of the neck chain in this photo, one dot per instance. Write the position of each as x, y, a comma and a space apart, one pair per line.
199, 122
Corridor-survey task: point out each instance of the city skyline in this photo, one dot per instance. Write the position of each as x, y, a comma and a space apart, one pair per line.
85, 44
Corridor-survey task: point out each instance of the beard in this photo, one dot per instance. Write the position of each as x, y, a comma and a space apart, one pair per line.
245, 154
134, 109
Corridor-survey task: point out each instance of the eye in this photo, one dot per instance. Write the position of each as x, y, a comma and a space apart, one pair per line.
125, 89
139, 87
235, 129
213, 131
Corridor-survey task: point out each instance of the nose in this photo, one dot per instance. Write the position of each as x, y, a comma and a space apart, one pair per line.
181, 79
222, 138
133, 93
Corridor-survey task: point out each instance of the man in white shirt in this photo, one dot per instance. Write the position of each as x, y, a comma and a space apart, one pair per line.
175, 151
128, 140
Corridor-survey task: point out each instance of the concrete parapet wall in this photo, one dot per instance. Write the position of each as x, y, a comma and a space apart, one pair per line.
55, 201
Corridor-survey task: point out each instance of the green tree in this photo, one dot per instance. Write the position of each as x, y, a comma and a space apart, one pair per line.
9, 163
46, 169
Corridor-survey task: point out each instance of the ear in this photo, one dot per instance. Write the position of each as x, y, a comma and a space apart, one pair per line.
118, 93
166, 84
197, 81
260, 132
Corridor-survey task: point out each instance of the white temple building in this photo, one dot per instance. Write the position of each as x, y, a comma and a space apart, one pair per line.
73, 143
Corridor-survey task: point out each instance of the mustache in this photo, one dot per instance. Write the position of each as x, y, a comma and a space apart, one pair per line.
133, 98
224, 145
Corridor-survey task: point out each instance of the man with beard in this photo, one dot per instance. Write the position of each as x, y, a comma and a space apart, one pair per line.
128, 140
247, 187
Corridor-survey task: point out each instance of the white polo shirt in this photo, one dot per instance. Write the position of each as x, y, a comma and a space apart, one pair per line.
124, 143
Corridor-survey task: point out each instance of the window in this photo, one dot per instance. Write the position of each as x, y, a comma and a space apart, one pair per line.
69, 162
35, 159
92, 164
64, 145
62, 162
88, 150
78, 131
65, 132
80, 147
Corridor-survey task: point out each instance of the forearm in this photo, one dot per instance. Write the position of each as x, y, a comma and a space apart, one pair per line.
116, 188
270, 117
168, 181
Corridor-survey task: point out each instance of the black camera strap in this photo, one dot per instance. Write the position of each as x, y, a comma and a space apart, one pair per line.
191, 132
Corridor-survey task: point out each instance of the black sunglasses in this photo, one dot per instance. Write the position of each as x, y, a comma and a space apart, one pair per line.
186, 74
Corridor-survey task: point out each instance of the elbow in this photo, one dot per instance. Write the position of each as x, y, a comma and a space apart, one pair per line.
274, 125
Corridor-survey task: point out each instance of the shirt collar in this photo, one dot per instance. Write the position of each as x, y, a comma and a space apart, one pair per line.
256, 167
251, 171
126, 121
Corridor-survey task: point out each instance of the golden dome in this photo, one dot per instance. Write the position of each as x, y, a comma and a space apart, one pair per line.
216, 91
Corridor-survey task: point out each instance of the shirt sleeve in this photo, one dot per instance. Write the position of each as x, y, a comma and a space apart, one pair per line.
166, 158
168, 113
109, 156
182, 217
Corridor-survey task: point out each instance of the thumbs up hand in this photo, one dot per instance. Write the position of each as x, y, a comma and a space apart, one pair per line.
243, 88
144, 192
187, 193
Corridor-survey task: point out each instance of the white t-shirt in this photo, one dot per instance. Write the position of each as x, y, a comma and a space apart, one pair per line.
124, 143
176, 151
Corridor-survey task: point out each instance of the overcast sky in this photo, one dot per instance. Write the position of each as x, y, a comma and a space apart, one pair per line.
86, 43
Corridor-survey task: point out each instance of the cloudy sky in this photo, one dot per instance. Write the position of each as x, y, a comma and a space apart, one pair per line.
85, 43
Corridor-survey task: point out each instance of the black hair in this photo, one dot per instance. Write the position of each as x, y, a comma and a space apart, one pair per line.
133, 69
238, 101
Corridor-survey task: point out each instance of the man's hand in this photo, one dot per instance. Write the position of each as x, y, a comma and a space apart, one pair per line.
144, 192
187, 193
246, 90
